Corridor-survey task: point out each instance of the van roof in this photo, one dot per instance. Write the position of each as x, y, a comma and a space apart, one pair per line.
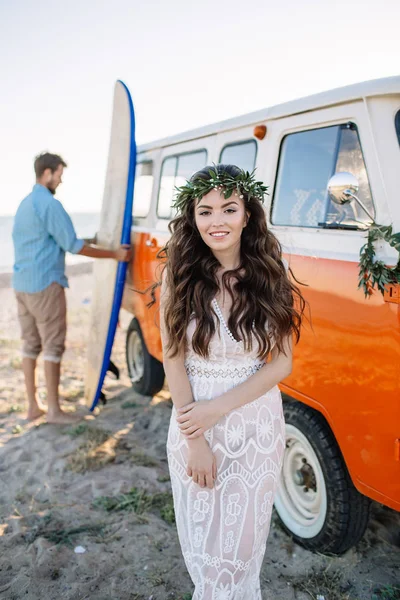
374, 87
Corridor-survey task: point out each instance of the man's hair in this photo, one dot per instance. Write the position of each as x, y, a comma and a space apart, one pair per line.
47, 161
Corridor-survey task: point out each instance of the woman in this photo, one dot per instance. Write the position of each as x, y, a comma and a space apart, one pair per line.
228, 315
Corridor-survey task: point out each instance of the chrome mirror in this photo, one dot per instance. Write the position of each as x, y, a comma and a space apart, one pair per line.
343, 187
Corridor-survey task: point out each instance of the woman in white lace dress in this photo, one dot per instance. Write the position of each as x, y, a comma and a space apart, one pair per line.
228, 316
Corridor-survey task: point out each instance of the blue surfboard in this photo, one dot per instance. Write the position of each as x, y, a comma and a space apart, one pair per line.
115, 229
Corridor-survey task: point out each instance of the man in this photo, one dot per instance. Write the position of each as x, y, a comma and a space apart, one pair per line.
42, 234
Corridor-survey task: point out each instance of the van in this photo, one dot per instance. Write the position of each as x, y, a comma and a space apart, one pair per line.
342, 399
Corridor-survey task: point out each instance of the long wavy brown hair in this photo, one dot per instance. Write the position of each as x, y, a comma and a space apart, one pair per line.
266, 305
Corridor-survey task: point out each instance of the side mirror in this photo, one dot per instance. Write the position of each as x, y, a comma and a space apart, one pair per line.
342, 187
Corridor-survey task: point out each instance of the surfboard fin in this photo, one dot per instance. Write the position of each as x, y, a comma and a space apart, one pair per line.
113, 369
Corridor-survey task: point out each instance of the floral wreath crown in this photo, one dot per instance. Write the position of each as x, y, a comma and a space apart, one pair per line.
244, 183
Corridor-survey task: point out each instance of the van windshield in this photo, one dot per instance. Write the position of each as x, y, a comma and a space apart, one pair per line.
397, 124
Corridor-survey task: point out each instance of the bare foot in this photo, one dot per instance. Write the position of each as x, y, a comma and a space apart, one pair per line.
62, 418
35, 413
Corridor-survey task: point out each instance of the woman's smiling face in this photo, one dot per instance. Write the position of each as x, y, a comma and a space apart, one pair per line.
220, 221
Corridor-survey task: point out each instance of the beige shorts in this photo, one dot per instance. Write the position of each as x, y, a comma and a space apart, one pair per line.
43, 320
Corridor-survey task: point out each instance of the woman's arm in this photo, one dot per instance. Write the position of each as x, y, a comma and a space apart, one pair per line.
196, 418
258, 384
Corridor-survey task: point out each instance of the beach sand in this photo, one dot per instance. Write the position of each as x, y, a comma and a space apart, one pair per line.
103, 486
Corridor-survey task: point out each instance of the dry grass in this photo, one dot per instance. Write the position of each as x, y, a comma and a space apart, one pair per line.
72, 394
58, 533
143, 460
9, 343
324, 584
101, 447
15, 408
77, 430
22, 496
16, 362
387, 592
139, 501
135, 500
129, 404
163, 478
97, 450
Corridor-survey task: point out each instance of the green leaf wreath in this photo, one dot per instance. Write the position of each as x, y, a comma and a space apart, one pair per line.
374, 272
243, 183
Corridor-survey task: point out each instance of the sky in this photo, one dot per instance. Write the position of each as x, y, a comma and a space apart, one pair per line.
186, 63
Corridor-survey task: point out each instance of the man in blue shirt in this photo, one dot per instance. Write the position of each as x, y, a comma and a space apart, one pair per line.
43, 232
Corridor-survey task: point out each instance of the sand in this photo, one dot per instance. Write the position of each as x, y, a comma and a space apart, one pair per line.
86, 513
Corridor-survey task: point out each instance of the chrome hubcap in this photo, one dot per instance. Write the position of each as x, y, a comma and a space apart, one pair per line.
135, 357
301, 499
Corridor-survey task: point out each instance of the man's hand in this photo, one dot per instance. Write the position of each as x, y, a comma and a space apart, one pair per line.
91, 241
124, 253
195, 418
201, 466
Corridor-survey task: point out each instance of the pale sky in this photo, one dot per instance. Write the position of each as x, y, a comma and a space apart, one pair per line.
186, 64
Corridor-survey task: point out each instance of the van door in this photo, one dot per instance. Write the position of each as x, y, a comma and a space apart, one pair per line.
143, 198
346, 365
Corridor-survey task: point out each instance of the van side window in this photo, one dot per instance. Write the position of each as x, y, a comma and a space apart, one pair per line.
241, 154
175, 171
307, 161
397, 124
143, 188
166, 190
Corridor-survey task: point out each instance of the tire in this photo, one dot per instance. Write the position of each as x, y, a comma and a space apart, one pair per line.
145, 372
316, 500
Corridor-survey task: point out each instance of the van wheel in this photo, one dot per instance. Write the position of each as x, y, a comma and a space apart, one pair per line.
316, 500
146, 372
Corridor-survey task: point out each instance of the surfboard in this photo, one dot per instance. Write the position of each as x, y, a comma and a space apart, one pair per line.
115, 229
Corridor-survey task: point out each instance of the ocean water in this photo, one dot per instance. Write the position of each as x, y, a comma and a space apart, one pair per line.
86, 225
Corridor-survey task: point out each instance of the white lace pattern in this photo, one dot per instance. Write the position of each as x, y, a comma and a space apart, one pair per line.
223, 531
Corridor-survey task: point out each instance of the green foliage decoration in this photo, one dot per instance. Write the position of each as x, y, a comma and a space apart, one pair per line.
374, 272
244, 184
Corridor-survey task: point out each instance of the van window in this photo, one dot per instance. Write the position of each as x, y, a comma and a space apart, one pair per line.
397, 124
307, 161
167, 184
241, 154
175, 171
143, 188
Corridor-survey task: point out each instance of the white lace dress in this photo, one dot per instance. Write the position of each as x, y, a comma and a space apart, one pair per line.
223, 531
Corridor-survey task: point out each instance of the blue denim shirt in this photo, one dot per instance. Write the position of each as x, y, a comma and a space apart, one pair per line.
43, 232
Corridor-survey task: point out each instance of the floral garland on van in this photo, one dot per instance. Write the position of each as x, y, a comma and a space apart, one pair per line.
374, 272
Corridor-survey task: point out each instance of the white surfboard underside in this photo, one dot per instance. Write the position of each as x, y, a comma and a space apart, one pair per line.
109, 236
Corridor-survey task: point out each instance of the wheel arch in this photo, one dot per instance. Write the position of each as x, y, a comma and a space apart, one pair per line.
329, 422
347, 508
152, 376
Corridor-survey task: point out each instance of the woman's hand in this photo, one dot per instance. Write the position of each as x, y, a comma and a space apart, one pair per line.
201, 465
195, 418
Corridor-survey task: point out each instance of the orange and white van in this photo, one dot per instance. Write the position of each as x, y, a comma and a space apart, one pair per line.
342, 400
